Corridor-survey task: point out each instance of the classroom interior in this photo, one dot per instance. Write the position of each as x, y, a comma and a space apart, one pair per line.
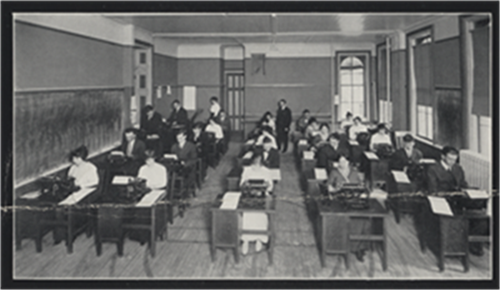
82, 79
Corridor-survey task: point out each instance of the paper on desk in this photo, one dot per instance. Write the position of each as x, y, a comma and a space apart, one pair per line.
439, 205
309, 155
378, 193
247, 155
427, 161
400, 176
353, 143
170, 156
303, 142
320, 173
275, 174
150, 198
230, 200
250, 142
77, 196
371, 155
477, 194
117, 153
121, 179
31, 195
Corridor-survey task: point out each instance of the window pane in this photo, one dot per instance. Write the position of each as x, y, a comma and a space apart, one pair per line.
485, 135
236, 103
236, 81
142, 57
142, 81
346, 94
357, 76
359, 109
429, 123
358, 94
230, 103
345, 77
421, 126
229, 81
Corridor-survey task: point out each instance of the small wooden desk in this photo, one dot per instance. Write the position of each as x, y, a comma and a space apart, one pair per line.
307, 164
233, 179
333, 224
402, 197
448, 236
375, 169
113, 218
227, 224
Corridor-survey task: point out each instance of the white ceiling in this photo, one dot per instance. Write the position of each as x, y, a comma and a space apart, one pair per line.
273, 27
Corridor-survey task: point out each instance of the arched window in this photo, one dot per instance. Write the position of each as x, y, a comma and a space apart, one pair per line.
352, 85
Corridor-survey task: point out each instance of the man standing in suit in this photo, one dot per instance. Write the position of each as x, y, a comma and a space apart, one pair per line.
152, 124
283, 120
178, 117
270, 156
132, 147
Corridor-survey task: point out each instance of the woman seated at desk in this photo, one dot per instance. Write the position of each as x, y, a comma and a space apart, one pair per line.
83, 172
154, 173
381, 137
312, 129
322, 137
345, 173
266, 132
84, 175
268, 120
255, 221
356, 128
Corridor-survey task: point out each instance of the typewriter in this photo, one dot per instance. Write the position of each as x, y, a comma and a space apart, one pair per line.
55, 188
253, 193
117, 158
352, 196
459, 201
384, 151
132, 192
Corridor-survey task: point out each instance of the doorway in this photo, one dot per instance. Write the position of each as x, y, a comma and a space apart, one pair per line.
142, 94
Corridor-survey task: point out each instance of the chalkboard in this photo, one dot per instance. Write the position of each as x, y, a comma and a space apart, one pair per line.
48, 125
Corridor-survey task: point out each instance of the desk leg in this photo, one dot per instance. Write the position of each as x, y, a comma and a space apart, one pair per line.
441, 246
153, 232
271, 242
212, 244
384, 245
323, 240
69, 235
38, 239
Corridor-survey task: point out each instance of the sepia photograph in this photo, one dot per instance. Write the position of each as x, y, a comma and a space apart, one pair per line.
185, 145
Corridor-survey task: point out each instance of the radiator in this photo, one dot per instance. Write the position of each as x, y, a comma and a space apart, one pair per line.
477, 169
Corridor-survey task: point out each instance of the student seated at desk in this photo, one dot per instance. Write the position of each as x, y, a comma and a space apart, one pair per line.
406, 156
213, 127
85, 175
303, 121
331, 152
255, 221
381, 137
266, 131
446, 176
83, 172
312, 129
214, 107
185, 150
178, 117
346, 123
322, 137
339, 176
268, 120
356, 128
132, 147
270, 155
154, 173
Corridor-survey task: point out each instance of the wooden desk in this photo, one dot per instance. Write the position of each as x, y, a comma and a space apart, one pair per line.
333, 224
233, 179
227, 224
313, 181
402, 197
307, 163
302, 146
448, 236
115, 217
375, 169
355, 151
28, 214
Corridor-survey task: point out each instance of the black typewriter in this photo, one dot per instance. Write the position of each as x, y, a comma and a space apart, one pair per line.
384, 151
55, 188
459, 201
253, 193
129, 193
117, 159
352, 196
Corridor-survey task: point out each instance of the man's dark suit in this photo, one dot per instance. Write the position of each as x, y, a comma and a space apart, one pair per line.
283, 121
327, 154
273, 159
441, 180
187, 153
137, 150
154, 126
399, 159
180, 117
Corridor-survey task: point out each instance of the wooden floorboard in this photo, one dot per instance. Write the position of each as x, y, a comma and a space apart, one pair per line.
186, 252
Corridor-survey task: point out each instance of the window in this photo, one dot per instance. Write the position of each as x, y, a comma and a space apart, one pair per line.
385, 111
425, 122
352, 86
142, 58
484, 140
142, 82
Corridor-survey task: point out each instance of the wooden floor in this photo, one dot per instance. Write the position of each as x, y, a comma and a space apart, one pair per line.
186, 254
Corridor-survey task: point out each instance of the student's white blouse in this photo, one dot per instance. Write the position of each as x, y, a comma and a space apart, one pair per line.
85, 174
155, 175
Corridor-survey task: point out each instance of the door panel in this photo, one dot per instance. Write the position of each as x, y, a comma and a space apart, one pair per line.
235, 101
